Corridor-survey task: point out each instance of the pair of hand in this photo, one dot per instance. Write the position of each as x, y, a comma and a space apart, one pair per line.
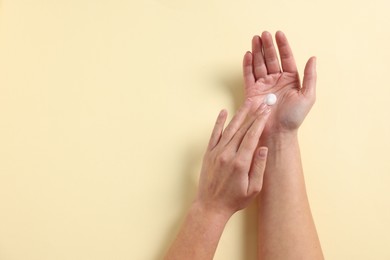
234, 163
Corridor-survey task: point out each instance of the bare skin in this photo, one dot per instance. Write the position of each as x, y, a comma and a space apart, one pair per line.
235, 162
286, 227
231, 177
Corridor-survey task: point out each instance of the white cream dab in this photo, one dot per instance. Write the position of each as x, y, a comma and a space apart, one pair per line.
270, 99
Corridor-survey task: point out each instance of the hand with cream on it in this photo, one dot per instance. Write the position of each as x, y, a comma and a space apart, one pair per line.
263, 75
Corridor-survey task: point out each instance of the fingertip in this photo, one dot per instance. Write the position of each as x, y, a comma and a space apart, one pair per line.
265, 33
221, 118
223, 113
279, 33
281, 38
311, 64
256, 44
314, 59
310, 78
248, 55
217, 130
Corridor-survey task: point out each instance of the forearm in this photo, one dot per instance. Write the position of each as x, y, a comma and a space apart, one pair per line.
199, 235
286, 226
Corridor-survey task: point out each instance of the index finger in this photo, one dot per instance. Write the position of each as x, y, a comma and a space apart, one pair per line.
252, 136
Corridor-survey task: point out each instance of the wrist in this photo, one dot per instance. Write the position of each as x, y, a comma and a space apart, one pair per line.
210, 214
280, 140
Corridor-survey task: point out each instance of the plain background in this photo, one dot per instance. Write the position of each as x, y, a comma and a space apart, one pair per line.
106, 108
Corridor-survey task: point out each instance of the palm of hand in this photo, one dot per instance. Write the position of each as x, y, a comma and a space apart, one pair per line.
291, 106
263, 75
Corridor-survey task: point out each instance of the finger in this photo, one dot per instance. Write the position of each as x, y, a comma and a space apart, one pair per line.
285, 53
218, 128
235, 123
259, 68
252, 136
234, 144
247, 67
310, 78
256, 174
270, 55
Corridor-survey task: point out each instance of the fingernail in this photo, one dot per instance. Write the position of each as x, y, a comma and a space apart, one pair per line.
263, 152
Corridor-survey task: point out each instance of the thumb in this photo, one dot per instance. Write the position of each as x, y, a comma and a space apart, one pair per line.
310, 78
256, 173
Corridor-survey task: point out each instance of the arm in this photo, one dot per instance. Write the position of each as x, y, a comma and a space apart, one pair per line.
286, 228
199, 234
231, 176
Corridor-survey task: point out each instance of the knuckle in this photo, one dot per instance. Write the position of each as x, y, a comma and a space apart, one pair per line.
239, 165
240, 132
223, 159
228, 131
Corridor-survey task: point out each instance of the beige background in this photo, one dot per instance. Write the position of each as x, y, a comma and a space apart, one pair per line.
106, 107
